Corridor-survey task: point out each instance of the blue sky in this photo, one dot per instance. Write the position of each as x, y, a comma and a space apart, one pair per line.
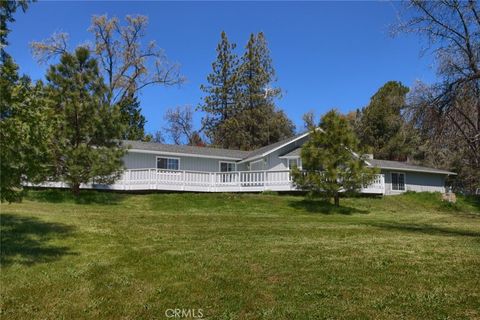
326, 54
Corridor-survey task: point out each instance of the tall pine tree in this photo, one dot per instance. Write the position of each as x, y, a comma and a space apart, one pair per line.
86, 126
257, 121
220, 102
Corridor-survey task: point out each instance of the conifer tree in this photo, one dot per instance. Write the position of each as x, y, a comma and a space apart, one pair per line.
132, 119
220, 102
382, 127
25, 132
87, 127
258, 121
329, 164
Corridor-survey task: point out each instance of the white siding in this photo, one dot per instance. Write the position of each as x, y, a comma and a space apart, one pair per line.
416, 181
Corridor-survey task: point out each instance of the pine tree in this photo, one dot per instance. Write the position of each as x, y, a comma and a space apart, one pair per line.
25, 132
329, 165
219, 104
240, 105
132, 119
382, 127
259, 122
86, 127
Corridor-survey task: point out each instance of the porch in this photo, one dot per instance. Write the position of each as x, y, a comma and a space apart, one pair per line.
201, 181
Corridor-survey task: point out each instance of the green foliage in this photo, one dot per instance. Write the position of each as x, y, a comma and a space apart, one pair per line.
7, 10
240, 105
329, 165
220, 102
25, 132
86, 126
382, 127
132, 119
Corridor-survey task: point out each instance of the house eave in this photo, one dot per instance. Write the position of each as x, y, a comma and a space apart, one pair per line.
179, 154
447, 173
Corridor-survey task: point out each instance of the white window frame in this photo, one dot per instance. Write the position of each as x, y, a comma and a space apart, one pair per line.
297, 159
404, 181
167, 157
220, 166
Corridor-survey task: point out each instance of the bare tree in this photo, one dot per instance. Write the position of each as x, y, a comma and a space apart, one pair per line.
450, 108
128, 66
179, 124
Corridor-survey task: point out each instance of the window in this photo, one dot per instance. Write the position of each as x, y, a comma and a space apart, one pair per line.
398, 181
293, 162
227, 166
168, 163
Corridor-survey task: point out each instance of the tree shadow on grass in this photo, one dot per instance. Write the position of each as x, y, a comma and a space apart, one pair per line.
324, 207
424, 228
25, 240
85, 197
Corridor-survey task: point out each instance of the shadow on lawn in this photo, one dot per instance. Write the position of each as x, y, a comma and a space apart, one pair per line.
324, 207
25, 240
424, 228
85, 197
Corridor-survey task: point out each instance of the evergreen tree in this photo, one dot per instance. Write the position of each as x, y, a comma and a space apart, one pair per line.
240, 105
132, 119
329, 165
259, 122
220, 101
25, 132
86, 126
382, 127
7, 10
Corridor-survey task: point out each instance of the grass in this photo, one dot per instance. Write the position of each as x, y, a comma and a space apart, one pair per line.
264, 256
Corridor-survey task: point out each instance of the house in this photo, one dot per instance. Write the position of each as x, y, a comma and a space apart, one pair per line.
202, 169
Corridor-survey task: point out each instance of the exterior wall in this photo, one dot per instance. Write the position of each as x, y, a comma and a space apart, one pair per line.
416, 181
135, 160
273, 161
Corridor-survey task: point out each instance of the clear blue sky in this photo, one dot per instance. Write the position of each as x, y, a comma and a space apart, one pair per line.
326, 54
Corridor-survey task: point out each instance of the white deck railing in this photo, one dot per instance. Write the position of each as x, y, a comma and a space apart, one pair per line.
238, 181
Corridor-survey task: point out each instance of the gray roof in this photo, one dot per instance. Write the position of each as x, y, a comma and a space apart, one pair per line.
267, 149
249, 155
396, 165
294, 153
188, 150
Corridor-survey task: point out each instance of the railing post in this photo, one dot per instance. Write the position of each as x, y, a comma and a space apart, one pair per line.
184, 179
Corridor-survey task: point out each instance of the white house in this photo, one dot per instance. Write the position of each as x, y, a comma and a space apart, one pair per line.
154, 166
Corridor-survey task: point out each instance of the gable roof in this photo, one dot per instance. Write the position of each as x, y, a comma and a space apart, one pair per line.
245, 156
396, 165
263, 151
181, 150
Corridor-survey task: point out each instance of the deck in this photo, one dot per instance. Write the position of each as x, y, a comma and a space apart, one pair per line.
201, 181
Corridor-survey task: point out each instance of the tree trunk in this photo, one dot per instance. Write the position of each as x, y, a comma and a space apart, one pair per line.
336, 198
76, 189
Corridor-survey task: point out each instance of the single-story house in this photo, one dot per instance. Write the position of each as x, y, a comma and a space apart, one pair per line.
158, 166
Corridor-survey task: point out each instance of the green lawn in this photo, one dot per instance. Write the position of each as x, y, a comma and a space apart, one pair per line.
113, 256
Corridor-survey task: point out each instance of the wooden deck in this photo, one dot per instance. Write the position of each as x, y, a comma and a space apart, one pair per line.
201, 181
